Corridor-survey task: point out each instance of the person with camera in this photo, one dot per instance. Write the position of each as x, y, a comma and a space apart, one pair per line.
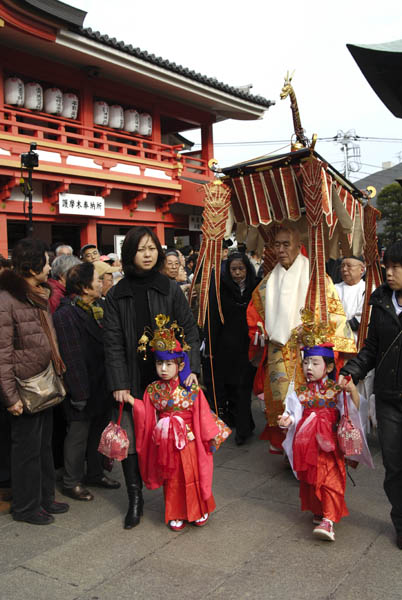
27, 347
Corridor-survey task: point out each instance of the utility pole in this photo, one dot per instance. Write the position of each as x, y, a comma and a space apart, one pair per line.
351, 151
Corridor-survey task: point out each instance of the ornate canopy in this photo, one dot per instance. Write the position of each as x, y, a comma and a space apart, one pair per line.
302, 189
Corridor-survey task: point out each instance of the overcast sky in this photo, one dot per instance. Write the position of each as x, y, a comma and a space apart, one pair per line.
257, 42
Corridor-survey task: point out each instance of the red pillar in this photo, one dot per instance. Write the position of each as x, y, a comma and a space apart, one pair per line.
88, 233
160, 232
3, 236
207, 142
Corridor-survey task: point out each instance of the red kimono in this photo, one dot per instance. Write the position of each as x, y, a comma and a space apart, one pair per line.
174, 431
315, 455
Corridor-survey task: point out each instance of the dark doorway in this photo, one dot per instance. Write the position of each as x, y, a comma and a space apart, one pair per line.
67, 234
16, 231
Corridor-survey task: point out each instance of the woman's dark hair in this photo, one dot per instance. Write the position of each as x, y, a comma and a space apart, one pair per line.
79, 277
130, 247
192, 259
29, 255
393, 253
250, 276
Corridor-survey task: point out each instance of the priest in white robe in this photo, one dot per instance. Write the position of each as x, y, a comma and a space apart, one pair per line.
351, 293
271, 315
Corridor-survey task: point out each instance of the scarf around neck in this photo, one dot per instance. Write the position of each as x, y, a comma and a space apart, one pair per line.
38, 297
94, 310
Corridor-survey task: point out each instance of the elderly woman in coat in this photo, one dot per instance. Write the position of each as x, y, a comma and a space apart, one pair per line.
25, 351
88, 405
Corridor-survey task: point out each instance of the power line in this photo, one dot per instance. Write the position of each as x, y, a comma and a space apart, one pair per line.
363, 173
374, 166
379, 139
254, 143
361, 139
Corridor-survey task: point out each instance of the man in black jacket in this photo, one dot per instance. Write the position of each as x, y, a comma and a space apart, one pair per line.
382, 350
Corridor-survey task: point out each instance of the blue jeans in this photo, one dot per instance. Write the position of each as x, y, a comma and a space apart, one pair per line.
389, 418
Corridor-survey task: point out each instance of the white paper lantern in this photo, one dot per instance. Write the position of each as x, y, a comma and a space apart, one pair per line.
14, 92
145, 124
131, 120
33, 96
53, 101
116, 117
70, 106
101, 113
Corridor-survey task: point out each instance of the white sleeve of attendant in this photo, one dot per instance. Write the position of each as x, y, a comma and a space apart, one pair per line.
294, 410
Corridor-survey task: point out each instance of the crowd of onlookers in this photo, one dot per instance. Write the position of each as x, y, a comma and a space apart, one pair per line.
76, 291
100, 305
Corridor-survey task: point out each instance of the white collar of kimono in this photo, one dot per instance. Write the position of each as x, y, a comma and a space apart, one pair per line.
284, 298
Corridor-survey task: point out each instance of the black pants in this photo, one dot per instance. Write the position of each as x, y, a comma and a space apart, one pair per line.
238, 399
389, 418
82, 441
5, 447
32, 468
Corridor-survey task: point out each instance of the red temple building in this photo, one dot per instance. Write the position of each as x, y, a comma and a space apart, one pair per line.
109, 122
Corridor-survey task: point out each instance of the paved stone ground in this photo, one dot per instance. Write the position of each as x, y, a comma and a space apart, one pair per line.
256, 545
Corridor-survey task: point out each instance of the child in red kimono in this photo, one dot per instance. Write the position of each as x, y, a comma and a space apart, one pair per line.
311, 415
176, 435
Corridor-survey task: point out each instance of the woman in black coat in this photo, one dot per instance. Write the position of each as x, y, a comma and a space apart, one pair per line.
88, 404
382, 350
130, 306
233, 372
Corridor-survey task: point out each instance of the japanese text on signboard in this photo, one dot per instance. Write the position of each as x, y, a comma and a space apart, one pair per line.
78, 204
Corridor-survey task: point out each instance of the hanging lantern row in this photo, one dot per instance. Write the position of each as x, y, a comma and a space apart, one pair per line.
115, 116
30, 95
54, 102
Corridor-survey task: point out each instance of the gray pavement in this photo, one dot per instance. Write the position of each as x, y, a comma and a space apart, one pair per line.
257, 544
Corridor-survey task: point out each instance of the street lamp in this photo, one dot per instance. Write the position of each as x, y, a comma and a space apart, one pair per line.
29, 160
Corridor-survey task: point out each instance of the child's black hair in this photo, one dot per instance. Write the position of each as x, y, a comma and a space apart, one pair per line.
330, 361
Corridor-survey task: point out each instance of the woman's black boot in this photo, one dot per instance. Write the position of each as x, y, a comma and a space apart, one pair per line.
135, 506
134, 490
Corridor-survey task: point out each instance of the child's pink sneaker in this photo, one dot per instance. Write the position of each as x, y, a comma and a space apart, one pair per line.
177, 525
317, 519
325, 531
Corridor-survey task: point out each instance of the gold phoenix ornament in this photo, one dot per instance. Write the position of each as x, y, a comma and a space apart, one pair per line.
163, 338
312, 333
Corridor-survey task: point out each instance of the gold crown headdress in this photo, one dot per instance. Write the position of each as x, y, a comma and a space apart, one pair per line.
163, 338
310, 333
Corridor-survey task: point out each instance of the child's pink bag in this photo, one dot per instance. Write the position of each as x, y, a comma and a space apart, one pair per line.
349, 438
114, 442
